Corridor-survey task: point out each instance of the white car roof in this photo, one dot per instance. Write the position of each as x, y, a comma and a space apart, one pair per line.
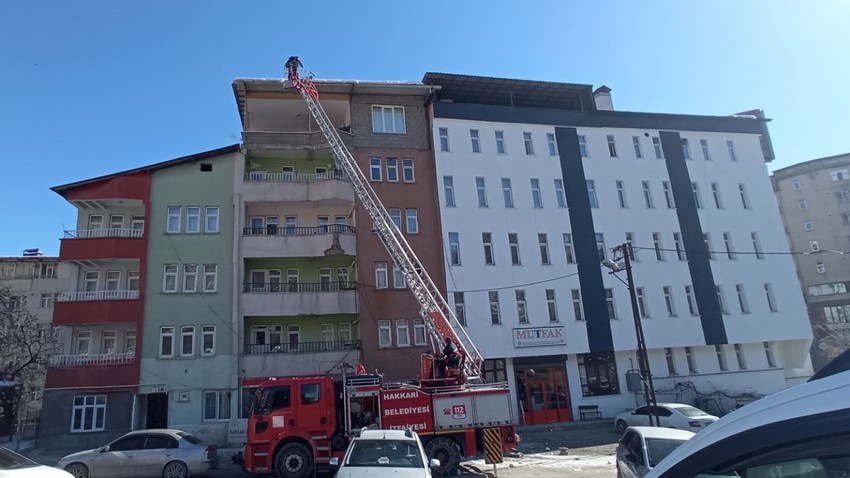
663, 432
384, 435
820, 396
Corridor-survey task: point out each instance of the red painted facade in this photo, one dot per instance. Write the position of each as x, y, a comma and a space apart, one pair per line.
124, 377
99, 312
102, 247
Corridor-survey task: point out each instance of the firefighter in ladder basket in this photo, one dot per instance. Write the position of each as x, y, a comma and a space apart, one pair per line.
449, 360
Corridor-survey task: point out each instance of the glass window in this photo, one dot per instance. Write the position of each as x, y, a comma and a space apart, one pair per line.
398, 278
568, 248
647, 195
460, 311
582, 146
444, 139
454, 248
543, 242
166, 341
217, 404
636, 144
529, 145
173, 220
536, 197
375, 173
513, 242
88, 413
598, 373
559, 193
482, 193
521, 310
500, 142
487, 241
507, 192
187, 340
385, 338
395, 216
169, 280
412, 217
449, 190
578, 309
190, 277
380, 275
551, 305
656, 145
392, 169
612, 146
208, 340
407, 172
495, 316
706, 155
476, 140
730, 146
211, 219
388, 119
621, 193
210, 277
553, 146
419, 332
686, 150
591, 193
193, 219
402, 333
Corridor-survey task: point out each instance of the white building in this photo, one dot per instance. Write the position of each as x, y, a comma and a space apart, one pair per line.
539, 181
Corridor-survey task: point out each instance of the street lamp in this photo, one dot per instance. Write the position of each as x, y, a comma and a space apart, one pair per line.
643, 361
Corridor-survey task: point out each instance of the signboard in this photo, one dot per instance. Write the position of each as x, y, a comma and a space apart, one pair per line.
403, 408
237, 432
539, 337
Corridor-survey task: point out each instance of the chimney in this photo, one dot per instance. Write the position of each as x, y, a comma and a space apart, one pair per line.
602, 97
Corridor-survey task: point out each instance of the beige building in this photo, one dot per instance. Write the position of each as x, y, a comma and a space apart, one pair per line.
814, 201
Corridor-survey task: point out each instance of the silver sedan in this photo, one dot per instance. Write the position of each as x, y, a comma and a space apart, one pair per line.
156, 452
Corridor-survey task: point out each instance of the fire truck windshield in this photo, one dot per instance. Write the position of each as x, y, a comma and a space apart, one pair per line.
271, 399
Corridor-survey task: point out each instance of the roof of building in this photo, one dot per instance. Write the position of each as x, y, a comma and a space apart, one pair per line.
812, 165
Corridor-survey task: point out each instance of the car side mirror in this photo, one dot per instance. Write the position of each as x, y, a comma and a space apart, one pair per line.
104, 449
434, 463
334, 461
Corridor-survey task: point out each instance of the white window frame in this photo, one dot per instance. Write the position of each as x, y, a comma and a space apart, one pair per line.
411, 220
551, 305
210, 278
481, 190
408, 173
207, 332
741, 357
130, 341
568, 248
693, 309
680, 246
528, 142
444, 139
513, 244
385, 334
81, 404
640, 295
553, 145
381, 279
211, 220
193, 219
82, 337
487, 244
223, 400
521, 306
721, 298
706, 154
460, 307
133, 280
686, 149
656, 145
376, 166
92, 281
500, 142
399, 281
402, 333
419, 332
669, 301
715, 193
771, 297
107, 338
543, 242
647, 195
745, 197
454, 249
636, 144
721, 358
668, 195
475, 139
170, 271
612, 145
743, 303
449, 191
578, 307
730, 147
612, 307
582, 146
395, 216
697, 195
112, 281
173, 219
381, 111
621, 193
166, 335
536, 195
495, 313
560, 198
190, 278
392, 170
507, 193
187, 349
591, 194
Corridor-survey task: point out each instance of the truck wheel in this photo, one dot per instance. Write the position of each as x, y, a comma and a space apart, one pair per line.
293, 461
447, 451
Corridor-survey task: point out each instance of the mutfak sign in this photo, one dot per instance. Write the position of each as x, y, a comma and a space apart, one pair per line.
539, 336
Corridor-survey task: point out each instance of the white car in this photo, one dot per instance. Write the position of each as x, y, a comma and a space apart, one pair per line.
672, 415
642, 448
13, 465
377, 453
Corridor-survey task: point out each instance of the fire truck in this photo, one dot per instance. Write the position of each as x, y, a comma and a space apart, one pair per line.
298, 423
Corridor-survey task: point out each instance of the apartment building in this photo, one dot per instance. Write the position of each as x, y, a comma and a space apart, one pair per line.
814, 201
539, 181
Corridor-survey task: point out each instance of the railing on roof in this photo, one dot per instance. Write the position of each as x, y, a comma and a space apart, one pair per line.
103, 232
302, 347
92, 359
274, 230
263, 176
289, 287
98, 295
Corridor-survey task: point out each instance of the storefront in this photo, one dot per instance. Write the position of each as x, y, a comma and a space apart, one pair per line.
542, 392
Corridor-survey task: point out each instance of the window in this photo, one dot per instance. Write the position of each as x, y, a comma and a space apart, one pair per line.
706, 239
392, 170
668, 301
721, 299
398, 278
217, 405
495, 317
821, 268
636, 144
291, 222
813, 245
460, 311
837, 314
671, 361
591, 193
578, 309
745, 199
739, 355
706, 155
827, 289
487, 240
495, 371
46, 301
742, 298
839, 175
166, 342
412, 217
582, 146
482, 194
730, 146
407, 172
449, 190
169, 278
630, 237
656, 244
130, 341
656, 144
500, 142
89, 413
536, 198
375, 173
385, 337
444, 139
193, 219
647, 195
513, 242
756, 245
187, 340
543, 241
598, 373
211, 219
609, 300
801, 203
795, 184
476, 141
395, 216
210, 277
522, 312
686, 150
612, 147
715, 193
845, 219
551, 305
83, 342
641, 301
721, 357
560, 199
680, 248
668, 194
402, 333
768, 353
553, 146
771, 299
190, 277
322, 222
419, 332
173, 220
507, 192
109, 342
454, 248
621, 194
116, 221
697, 195
113, 280
727, 243
208, 340
689, 358
692, 303
568, 248
529, 145
388, 119
380, 275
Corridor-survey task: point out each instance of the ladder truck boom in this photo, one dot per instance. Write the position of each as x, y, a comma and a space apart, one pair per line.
440, 321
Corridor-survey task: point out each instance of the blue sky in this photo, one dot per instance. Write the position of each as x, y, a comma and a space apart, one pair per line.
89, 87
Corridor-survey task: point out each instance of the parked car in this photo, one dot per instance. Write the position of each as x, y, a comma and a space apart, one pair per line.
642, 448
672, 415
13, 465
156, 452
803, 431
375, 453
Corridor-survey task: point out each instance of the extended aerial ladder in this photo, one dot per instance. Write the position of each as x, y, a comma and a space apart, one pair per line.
440, 322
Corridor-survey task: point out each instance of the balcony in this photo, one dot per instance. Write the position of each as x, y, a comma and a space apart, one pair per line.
290, 187
97, 307
98, 233
283, 141
265, 299
92, 359
302, 347
304, 358
92, 244
273, 241
98, 295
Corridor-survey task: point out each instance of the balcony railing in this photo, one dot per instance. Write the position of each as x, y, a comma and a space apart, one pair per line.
98, 233
262, 176
92, 359
297, 231
302, 347
283, 287
98, 295
29, 276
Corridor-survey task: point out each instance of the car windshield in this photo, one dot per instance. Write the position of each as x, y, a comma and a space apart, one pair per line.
689, 411
385, 453
10, 460
190, 438
659, 448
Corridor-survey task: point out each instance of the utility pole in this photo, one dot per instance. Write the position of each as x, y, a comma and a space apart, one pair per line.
643, 359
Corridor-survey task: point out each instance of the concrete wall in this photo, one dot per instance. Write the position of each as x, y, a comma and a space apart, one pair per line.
57, 413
